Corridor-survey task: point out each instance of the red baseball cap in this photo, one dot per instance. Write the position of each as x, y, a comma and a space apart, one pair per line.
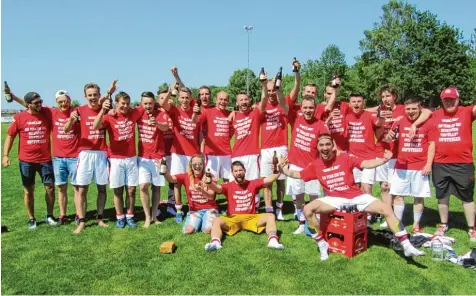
449, 93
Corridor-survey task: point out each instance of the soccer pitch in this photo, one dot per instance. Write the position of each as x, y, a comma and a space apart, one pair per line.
52, 260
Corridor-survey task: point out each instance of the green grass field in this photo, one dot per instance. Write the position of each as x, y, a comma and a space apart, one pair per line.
51, 260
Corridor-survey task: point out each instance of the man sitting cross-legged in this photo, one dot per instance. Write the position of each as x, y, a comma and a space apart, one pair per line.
242, 209
334, 172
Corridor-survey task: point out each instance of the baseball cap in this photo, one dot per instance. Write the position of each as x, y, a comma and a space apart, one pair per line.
60, 93
449, 93
29, 97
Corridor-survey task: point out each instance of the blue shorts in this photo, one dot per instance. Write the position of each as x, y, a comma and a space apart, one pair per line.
28, 171
64, 167
203, 218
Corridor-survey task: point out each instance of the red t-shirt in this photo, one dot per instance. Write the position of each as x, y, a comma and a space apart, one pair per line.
34, 130
381, 145
246, 126
64, 144
361, 134
122, 132
90, 139
274, 131
335, 176
337, 127
168, 137
196, 200
412, 153
218, 131
151, 139
304, 138
185, 140
241, 197
454, 139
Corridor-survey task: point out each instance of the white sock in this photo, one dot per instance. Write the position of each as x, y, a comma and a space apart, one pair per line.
417, 216
398, 210
129, 216
118, 217
178, 207
279, 205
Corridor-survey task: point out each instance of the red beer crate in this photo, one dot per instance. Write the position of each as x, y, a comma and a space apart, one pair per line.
346, 233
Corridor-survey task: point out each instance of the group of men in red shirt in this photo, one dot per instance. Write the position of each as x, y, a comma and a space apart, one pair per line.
420, 143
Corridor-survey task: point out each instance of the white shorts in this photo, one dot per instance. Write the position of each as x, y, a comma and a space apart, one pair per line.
179, 163
251, 166
410, 183
92, 165
383, 172
124, 171
220, 165
149, 173
366, 176
362, 201
298, 186
266, 160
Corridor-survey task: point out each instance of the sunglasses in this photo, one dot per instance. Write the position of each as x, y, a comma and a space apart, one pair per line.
37, 102
197, 165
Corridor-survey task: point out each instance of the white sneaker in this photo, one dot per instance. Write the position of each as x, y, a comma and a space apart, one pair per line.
212, 247
323, 249
409, 250
300, 229
51, 221
274, 244
279, 215
384, 225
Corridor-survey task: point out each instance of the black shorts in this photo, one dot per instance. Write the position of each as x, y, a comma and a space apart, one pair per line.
28, 171
456, 179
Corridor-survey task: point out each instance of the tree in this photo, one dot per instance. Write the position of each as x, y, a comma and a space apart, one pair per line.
414, 51
237, 83
75, 103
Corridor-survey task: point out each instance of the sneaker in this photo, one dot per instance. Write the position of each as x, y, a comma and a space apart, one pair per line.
179, 217
61, 220
409, 250
300, 229
274, 244
121, 223
416, 230
472, 235
279, 215
384, 225
51, 221
323, 247
210, 247
130, 222
442, 229
32, 224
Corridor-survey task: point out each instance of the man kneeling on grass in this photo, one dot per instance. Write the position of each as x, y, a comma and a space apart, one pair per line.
334, 172
241, 209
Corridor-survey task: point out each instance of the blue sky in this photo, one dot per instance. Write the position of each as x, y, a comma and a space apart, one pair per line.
57, 44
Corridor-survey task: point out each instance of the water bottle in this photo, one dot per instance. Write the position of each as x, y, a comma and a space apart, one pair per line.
437, 250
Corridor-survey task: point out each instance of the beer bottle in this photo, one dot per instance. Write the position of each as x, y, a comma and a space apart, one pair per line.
262, 75
333, 82
163, 166
175, 90
199, 103
208, 177
295, 65
278, 79
275, 163
6, 90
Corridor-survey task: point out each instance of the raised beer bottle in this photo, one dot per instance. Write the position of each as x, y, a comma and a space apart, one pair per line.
278, 79
208, 177
6, 90
262, 75
175, 90
296, 65
163, 166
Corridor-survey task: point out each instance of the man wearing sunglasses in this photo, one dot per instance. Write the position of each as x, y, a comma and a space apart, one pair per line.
65, 148
34, 154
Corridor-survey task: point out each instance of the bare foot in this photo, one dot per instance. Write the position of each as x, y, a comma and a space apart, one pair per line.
102, 224
146, 223
80, 228
156, 222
